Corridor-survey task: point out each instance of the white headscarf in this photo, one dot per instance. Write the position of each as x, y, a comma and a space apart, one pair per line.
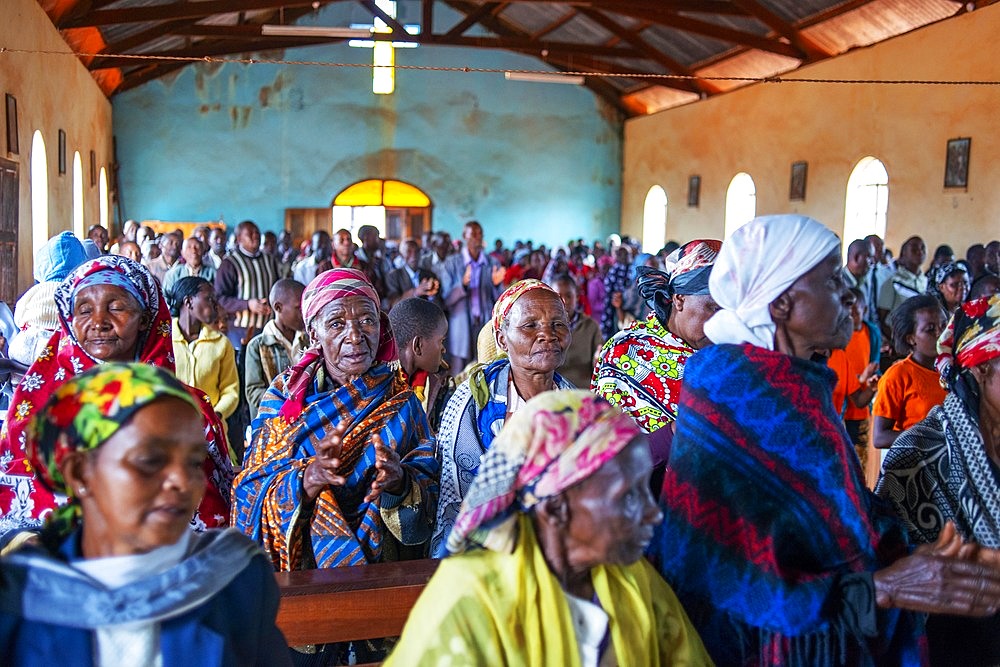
755, 266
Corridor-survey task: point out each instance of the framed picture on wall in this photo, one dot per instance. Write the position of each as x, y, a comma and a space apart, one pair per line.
12, 124
93, 169
694, 190
62, 152
956, 166
797, 187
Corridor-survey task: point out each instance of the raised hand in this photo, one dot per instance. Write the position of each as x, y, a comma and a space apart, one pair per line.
498, 275
467, 276
388, 471
323, 470
869, 377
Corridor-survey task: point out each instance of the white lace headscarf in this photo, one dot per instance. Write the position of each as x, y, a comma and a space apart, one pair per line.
755, 266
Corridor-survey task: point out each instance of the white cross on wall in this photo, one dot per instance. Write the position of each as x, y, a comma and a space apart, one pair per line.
384, 53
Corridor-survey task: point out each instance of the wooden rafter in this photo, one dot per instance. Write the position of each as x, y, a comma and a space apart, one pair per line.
810, 49
632, 37
397, 28
473, 18
180, 10
555, 25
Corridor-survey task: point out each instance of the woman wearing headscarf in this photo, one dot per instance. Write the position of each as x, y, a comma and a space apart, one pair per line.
773, 544
340, 469
548, 567
641, 368
110, 309
950, 285
531, 330
117, 578
947, 467
35, 313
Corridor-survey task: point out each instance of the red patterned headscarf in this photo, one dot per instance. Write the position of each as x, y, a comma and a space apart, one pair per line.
972, 337
324, 289
501, 309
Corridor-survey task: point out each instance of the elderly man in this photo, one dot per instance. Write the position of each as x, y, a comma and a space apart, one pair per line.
99, 235
243, 281
470, 284
318, 261
192, 251
410, 280
170, 251
859, 273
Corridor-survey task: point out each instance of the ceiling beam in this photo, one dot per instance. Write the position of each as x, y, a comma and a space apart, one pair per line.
810, 50
136, 78
721, 33
427, 16
180, 10
472, 18
632, 37
555, 25
397, 28
579, 63
723, 7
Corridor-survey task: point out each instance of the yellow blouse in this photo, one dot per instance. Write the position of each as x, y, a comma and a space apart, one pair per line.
209, 363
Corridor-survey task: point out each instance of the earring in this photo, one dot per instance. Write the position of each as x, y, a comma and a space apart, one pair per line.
82, 491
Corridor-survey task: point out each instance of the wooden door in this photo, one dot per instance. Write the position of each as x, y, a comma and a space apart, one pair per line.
8, 231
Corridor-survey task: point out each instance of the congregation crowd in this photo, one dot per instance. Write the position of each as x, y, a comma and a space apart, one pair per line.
749, 452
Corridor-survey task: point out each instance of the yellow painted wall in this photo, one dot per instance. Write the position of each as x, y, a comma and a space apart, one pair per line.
53, 92
762, 129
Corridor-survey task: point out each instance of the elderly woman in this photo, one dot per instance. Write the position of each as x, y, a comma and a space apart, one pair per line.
531, 329
770, 538
550, 539
951, 285
117, 578
946, 467
340, 469
642, 367
110, 309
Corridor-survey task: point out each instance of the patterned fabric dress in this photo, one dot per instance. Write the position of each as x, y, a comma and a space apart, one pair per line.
617, 280
23, 503
339, 528
641, 370
770, 536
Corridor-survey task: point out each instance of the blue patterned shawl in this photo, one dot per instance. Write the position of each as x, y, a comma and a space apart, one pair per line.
770, 535
342, 529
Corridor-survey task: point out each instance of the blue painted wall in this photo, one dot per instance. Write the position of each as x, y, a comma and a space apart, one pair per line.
539, 161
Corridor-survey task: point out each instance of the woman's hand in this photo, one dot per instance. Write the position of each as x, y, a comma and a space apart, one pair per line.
388, 471
322, 471
947, 577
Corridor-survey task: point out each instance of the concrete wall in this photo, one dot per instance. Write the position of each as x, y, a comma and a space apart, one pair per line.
53, 92
763, 128
248, 141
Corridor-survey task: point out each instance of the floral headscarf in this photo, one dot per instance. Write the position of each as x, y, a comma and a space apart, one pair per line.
559, 438
84, 412
972, 337
324, 289
503, 306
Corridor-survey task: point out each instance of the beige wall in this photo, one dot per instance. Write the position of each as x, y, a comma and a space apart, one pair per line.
763, 128
53, 92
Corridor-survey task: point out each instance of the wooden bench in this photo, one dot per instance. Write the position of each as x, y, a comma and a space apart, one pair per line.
350, 603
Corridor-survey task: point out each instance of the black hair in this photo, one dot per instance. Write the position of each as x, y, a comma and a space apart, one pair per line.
858, 295
414, 317
184, 288
283, 288
903, 320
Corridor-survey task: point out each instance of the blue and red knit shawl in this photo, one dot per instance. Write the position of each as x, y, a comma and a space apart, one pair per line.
770, 535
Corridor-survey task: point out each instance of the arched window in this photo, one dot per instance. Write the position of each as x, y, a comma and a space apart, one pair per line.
78, 225
741, 202
867, 200
105, 202
39, 192
654, 220
397, 209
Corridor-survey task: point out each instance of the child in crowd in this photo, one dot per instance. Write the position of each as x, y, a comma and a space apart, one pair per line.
911, 386
420, 328
586, 338
279, 345
856, 367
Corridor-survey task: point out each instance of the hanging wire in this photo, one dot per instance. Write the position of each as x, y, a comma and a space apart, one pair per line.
494, 70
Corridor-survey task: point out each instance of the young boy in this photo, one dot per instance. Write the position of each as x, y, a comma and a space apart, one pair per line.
420, 328
279, 345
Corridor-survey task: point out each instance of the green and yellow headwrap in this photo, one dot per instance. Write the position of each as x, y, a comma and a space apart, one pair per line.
90, 408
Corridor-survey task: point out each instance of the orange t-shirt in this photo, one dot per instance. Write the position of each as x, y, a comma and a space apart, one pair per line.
848, 364
906, 393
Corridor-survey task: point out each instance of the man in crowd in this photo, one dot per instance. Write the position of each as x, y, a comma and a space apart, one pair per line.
343, 252
170, 251
99, 235
411, 280
217, 246
858, 272
193, 253
470, 284
279, 345
993, 257
318, 260
372, 254
435, 254
243, 281
908, 281
975, 258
